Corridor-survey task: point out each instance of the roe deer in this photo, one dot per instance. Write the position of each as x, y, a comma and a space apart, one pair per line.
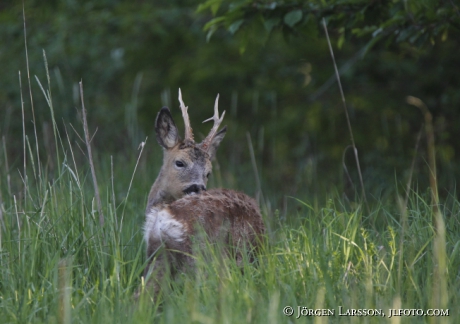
179, 205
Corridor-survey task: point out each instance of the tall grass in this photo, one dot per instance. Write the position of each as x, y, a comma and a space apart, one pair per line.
56, 266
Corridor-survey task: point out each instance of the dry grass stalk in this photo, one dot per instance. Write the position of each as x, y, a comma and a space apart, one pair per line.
430, 150
350, 130
30, 91
114, 207
440, 296
403, 207
64, 284
8, 177
23, 140
2, 224
254, 167
90, 157
141, 147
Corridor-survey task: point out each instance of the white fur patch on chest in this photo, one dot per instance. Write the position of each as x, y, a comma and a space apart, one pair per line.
161, 225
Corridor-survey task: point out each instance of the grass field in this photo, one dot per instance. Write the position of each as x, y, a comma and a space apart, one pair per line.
58, 264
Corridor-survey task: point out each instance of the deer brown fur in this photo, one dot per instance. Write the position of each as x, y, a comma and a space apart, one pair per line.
179, 207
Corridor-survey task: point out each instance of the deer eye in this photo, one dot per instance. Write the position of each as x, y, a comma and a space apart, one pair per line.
207, 175
180, 164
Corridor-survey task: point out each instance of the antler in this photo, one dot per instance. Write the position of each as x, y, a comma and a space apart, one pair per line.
188, 128
217, 121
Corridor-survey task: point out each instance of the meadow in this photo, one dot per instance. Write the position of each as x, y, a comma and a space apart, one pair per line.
73, 186
65, 258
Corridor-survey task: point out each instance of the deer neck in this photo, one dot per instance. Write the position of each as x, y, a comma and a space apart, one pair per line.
158, 195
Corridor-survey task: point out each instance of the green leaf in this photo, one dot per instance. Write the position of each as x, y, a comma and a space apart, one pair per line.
211, 31
270, 23
213, 22
445, 34
235, 26
378, 31
340, 41
212, 5
293, 17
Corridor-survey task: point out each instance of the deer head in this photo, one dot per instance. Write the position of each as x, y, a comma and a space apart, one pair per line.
186, 165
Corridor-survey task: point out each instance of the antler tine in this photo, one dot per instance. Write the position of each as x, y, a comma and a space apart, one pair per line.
217, 121
188, 128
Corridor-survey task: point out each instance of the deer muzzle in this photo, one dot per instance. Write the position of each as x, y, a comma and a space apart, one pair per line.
194, 189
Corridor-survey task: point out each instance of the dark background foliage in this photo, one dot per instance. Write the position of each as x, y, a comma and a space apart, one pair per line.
271, 65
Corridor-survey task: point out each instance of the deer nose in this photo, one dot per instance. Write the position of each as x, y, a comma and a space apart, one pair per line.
194, 189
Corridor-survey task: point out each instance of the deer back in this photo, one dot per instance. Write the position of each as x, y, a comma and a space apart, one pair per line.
225, 215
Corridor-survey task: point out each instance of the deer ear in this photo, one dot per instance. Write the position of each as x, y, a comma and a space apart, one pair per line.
216, 141
167, 134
